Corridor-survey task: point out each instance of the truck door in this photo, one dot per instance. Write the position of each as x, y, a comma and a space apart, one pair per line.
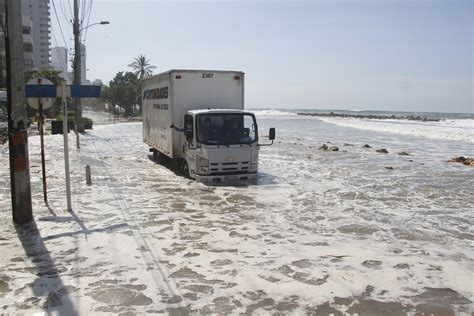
189, 155
189, 133
189, 126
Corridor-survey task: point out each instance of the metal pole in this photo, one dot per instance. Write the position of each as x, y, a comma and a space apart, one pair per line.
77, 68
43, 164
17, 122
66, 146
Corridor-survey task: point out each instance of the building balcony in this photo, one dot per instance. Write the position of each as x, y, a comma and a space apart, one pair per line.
27, 39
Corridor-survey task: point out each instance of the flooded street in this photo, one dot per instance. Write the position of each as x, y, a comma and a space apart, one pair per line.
351, 231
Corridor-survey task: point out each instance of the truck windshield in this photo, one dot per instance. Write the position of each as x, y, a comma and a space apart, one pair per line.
226, 128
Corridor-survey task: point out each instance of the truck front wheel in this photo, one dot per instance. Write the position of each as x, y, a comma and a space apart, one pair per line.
184, 168
157, 156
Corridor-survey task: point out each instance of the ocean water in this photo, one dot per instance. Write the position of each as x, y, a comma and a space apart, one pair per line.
420, 211
450, 126
428, 115
351, 231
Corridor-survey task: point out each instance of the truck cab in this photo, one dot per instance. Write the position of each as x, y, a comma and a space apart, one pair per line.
220, 145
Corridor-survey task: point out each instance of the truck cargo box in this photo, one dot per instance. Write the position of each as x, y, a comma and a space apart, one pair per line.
166, 98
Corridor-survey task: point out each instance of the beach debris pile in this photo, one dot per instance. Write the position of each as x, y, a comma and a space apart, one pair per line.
465, 161
373, 116
325, 147
458, 159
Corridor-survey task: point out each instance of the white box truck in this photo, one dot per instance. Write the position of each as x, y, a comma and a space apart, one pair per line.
197, 118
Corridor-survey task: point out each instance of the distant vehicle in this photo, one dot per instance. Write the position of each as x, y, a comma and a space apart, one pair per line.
197, 118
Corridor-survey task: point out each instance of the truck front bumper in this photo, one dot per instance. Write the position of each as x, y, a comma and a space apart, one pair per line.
213, 179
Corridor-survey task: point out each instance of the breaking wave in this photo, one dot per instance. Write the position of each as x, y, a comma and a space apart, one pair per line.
458, 130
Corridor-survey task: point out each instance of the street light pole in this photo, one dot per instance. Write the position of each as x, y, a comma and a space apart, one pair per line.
77, 67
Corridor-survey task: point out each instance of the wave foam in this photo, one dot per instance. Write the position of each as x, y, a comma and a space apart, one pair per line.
459, 130
273, 112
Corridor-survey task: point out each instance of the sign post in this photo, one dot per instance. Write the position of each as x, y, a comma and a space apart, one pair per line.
40, 104
40, 91
43, 164
66, 146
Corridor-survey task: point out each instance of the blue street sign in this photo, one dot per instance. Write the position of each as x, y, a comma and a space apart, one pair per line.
40, 91
83, 91
49, 91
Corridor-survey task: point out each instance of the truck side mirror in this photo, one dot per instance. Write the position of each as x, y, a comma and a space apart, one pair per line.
189, 135
271, 133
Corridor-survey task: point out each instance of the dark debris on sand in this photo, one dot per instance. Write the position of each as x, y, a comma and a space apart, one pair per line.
465, 161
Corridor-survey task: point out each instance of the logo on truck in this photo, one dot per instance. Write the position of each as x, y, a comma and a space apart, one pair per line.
157, 93
160, 106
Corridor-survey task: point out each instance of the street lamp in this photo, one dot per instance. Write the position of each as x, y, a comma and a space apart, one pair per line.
97, 23
77, 63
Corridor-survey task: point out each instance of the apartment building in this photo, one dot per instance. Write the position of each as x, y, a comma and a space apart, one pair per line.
39, 12
59, 60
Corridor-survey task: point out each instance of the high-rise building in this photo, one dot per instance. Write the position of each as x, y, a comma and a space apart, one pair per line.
59, 61
28, 45
27, 30
38, 11
83, 64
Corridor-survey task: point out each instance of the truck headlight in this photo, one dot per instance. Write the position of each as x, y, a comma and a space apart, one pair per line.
203, 165
202, 162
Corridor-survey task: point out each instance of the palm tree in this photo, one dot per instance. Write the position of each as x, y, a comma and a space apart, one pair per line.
141, 67
51, 74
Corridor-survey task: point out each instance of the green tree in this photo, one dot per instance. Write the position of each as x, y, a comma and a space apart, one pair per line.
141, 67
123, 91
50, 74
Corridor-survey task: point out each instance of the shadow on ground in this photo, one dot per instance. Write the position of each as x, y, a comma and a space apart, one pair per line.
48, 282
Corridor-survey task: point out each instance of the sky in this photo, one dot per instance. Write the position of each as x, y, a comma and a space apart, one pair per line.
355, 55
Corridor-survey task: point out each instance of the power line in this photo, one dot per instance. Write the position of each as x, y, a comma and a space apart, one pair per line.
82, 5
63, 62
70, 8
64, 12
88, 13
66, 17
59, 24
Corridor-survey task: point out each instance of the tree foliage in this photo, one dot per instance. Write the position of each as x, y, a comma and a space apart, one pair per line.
50, 74
124, 92
141, 67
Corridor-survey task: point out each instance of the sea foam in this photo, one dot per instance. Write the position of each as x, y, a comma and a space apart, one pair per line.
458, 130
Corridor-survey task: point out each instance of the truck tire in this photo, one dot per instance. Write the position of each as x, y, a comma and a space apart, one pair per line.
157, 157
185, 169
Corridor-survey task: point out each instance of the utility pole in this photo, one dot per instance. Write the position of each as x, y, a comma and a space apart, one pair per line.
17, 121
77, 67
